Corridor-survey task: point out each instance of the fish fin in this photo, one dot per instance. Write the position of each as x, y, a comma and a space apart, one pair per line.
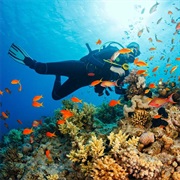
170, 98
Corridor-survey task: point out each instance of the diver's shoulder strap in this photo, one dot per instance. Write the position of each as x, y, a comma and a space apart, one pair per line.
89, 49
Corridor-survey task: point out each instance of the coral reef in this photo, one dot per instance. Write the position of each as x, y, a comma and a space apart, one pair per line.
86, 148
106, 168
136, 84
137, 102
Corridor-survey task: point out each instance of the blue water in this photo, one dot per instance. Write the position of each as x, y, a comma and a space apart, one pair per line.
58, 30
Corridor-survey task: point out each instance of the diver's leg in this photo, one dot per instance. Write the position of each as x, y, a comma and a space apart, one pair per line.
69, 86
64, 68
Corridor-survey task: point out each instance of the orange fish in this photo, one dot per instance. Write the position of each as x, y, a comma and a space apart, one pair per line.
140, 32
76, 100
96, 82
125, 51
155, 69
152, 85
61, 121
157, 116
19, 121
48, 154
1, 92
15, 81
167, 65
170, 12
140, 63
136, 60
27, 131
178, 58
37, 98
173, 69
36, 123
145, 74
8, 90
114, 102
49, 134
66, 113
4, 115
152, 48
159, 102
146, 91
98, 41
141, 71
108, 83
37, 104
178, 27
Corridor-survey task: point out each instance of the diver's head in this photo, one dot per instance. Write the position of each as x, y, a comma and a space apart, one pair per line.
135, 47
129, 57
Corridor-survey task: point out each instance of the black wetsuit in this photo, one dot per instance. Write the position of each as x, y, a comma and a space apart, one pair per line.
80, 72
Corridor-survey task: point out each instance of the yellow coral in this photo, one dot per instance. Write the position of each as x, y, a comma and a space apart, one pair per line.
106, 168
133, 141
176, 176
97, 148
53, 177
168, 142
79, 155
117, 140
69, 128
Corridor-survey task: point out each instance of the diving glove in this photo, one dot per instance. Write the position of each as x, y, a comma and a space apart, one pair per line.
18, 54
118, 70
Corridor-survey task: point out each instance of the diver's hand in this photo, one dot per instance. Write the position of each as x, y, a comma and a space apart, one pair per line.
118, 70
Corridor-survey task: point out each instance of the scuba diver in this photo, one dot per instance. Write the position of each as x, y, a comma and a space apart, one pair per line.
101, 64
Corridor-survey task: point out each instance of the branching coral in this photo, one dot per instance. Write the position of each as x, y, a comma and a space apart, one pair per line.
53, 177
106, 168
93, 148
81, 154
82, 119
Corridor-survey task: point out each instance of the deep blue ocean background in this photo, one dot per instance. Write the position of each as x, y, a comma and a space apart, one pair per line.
57, 30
